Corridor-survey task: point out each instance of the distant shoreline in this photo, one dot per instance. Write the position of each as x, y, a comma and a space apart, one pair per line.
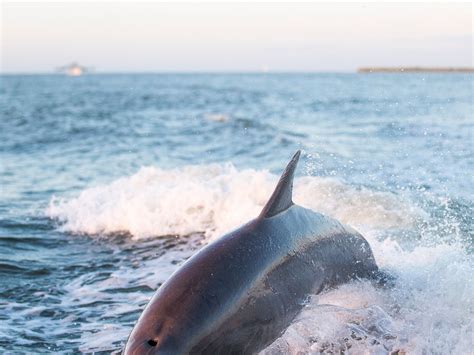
415, 70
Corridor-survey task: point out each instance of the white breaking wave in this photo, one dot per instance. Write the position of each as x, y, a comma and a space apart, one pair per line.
214, 199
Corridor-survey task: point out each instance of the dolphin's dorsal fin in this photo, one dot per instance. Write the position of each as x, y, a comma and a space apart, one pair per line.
281, 198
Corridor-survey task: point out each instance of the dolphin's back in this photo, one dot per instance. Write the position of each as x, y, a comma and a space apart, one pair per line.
304, 261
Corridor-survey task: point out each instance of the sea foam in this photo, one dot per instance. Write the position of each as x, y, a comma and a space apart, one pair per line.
212, 200
427, 311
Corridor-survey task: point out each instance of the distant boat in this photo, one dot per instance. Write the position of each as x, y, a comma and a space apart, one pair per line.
73, 69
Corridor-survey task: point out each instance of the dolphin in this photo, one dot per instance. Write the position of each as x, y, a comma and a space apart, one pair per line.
241, 292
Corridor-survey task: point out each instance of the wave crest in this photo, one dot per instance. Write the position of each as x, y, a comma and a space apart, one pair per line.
214, 199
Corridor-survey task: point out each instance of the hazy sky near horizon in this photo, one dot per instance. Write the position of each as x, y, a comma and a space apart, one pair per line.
161, 37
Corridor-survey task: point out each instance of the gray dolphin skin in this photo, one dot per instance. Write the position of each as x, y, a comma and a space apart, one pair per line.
239, 293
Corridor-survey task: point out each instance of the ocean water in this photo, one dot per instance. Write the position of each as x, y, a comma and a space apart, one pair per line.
109, 182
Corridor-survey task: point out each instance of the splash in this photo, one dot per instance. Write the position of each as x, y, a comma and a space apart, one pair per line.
426, 312
213, 200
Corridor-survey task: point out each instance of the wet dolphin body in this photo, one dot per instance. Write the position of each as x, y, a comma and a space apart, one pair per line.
239, 293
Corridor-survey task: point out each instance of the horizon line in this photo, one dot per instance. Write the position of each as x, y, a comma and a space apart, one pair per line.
360, 70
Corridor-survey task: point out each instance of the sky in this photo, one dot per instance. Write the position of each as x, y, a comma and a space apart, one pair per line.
221, 37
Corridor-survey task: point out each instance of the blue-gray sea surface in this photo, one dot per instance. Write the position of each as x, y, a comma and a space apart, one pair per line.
109, 182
